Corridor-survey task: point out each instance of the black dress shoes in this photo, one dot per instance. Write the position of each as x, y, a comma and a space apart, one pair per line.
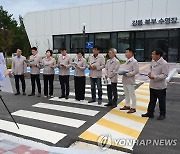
161, 117
148, 115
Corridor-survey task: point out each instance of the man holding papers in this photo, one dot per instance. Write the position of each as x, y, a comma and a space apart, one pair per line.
19, 71
112, 68
158, 74
35, 65
131, 68
64, 64
96, 64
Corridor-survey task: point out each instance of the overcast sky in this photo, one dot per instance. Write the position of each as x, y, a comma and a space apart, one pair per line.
21, 7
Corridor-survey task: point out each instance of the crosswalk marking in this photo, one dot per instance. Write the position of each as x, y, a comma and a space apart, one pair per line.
120, 120
118, 127
129, 116
105, 92
50, 118
142, 99
67, 109
105, 87
138, 107
89, 95
120, 124
82, 102
30, 131
87, 135
97, 130
142, 96
144, 91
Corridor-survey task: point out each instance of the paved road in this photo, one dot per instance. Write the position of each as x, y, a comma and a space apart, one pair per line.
58, 122
54, 121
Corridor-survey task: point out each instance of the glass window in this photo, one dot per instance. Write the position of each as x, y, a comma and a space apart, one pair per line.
77, 42
156, 34
68, 42
123, 41
104, 41
173, 50
58, 42
114, 40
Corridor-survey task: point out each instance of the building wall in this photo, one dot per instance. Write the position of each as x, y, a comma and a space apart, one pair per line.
115, 15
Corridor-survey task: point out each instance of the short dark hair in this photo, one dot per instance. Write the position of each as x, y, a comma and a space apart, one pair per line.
51, 52
97, 47
80, 51
158, 51
63, 48
34, 48
131, 50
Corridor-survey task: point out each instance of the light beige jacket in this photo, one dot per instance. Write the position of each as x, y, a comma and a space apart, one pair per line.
37, 60
82, 64
160, 71
18, 65
132, 67
112, 68
66, 61
48, 65
99, 62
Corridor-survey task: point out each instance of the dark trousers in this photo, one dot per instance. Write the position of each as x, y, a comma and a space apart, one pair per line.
35, 78
112, 93
79, 84
48, 79
21, 77
94, 82
64, 81
161, 96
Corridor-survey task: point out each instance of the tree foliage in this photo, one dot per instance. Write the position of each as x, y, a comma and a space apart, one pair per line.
12, 34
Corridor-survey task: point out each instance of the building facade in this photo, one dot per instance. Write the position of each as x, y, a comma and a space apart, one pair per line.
140, 24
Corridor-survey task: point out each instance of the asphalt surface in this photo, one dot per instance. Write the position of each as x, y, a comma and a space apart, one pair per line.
154, 129
21, 102
166, 129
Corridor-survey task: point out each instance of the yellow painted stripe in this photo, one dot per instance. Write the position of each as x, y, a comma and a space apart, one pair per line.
142, 100
129, 116
142, 93
118, 127
89, 136
143, 88
138, 107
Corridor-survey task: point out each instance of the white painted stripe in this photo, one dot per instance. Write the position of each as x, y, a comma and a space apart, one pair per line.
34, 132
82, 102
142, 96
142, 104
124, 121
67, 109
105, 87
101, 130
144, 91
139, 103
89, 95
50, 118
138, 112
105, 91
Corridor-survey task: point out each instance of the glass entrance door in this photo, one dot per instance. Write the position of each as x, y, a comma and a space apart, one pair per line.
151, 44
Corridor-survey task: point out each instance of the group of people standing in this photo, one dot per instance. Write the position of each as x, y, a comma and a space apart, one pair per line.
96, 63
